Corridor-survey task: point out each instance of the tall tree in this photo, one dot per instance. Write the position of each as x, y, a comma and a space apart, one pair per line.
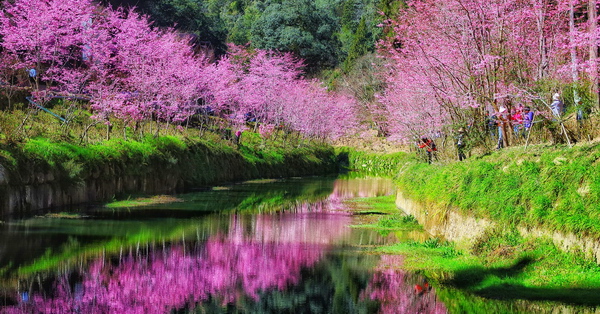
298, 26
360, 45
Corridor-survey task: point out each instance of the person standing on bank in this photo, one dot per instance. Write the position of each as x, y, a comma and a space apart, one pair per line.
502, 121
557, 106
527, 118
429, 144
460, 144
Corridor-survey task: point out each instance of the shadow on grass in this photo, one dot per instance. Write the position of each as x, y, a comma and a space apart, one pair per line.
469, 278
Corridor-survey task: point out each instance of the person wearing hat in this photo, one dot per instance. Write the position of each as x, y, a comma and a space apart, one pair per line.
556, 105
502, 120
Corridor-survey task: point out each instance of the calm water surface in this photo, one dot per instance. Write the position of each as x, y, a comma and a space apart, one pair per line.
264, 246
281, 246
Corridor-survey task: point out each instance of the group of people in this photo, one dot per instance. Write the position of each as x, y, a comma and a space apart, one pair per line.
429, 145
520, 120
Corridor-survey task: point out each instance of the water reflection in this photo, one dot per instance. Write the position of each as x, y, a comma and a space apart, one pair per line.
399, 291
362, 187
174, 257
160, 280
230, 272
283, 246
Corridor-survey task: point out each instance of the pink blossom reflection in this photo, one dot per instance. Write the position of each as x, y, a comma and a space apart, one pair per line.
307, 225
251, 256
401, 292
259, 253
162, 280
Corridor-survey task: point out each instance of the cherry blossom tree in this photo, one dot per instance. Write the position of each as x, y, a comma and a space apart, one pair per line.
134, 72
128, 69
45, 36
152, 75
452, 58
269, 86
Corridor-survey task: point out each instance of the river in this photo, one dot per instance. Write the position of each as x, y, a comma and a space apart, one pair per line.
270, 246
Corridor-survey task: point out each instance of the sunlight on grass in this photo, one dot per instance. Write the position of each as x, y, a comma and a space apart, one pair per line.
260, 181
144, 201
63, 215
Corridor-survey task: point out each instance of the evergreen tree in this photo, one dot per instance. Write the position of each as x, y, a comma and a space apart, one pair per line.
361, 45
189, 16
298, 26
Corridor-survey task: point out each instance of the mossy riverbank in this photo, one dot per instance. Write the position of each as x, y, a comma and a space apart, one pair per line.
554, 187
550, 188
502, 273
40, 173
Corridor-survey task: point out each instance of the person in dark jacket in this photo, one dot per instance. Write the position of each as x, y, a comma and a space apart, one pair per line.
460, 144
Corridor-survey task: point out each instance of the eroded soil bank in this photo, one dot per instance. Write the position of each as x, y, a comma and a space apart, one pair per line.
465, 230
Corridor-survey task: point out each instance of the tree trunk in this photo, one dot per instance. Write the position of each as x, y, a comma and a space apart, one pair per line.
574, 73
593, 25
541, 21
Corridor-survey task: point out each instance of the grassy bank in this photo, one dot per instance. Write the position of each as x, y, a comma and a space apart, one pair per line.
55, 170
503, 273
200, 161
554, 187
383, 165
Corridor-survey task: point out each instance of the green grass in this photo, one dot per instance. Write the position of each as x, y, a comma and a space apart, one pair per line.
143, 201
503, 273
383, 213
541, 274
554, 187
505, 267
198, 161
379, 204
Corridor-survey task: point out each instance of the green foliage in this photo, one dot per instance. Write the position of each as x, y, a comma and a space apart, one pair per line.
189, 16
390, 8
298, 26
444, 248
398, 221
10, 122
325, 33
409, 219
359, 30
238, 17
360, 45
